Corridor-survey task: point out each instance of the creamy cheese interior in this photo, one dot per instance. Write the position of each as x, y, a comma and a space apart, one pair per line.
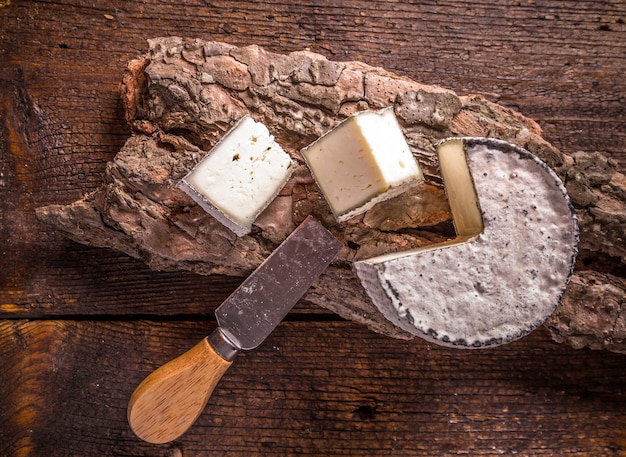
462, 198
365, 159
240, 176
460, 189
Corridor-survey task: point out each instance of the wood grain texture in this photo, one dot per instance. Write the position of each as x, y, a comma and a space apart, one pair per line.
297, 395
333, 388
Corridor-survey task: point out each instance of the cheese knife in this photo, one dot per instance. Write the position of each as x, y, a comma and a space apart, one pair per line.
171, 398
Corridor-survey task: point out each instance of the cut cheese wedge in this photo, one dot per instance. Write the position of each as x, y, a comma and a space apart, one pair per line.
240, 176
504, 274
362, 161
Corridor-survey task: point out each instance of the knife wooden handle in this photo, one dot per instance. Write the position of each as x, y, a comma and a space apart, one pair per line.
172, 397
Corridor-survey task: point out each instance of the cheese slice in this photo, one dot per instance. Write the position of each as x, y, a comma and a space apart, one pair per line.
240, 176
362, 161
504, 274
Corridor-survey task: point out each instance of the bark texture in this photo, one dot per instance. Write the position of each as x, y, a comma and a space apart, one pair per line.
183, 95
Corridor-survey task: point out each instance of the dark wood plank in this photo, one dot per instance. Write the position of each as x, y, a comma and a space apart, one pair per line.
68, 384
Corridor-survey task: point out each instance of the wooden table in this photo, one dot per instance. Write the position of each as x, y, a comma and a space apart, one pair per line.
81, 326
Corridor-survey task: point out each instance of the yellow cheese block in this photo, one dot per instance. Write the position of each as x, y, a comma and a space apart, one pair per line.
362, 161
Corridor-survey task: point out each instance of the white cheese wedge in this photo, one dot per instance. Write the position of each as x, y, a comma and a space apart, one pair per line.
505, 272
362, 161
240, 176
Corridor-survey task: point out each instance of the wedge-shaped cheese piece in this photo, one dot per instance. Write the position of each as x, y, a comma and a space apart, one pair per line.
240, 176
362, 161
504, 274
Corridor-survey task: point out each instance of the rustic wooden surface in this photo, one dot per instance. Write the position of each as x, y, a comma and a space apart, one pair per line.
80, 326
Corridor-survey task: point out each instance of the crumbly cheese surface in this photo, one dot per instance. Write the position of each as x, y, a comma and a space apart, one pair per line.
496, 286
364, 160
240, 176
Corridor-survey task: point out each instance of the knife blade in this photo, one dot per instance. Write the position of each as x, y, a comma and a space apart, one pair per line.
170, 399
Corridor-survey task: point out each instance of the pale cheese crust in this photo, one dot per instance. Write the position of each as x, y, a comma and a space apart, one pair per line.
499, 285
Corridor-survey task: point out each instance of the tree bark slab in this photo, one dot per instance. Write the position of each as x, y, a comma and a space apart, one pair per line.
183, 95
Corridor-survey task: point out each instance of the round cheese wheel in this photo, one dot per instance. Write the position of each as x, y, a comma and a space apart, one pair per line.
504, 274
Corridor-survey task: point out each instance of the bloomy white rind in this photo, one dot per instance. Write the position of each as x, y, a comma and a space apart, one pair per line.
497, 286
